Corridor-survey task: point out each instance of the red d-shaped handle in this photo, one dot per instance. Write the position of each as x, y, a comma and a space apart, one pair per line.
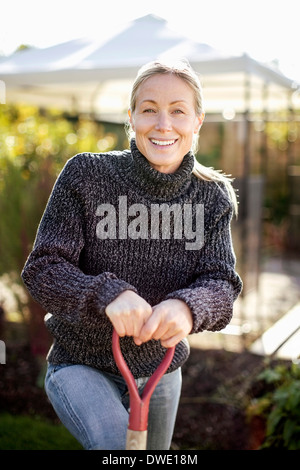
139, 405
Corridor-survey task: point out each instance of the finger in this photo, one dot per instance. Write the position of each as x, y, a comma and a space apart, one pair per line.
127, 322
139, 318
116, 316
139, 324
137, 341
150, 327
118, 326
168, 325
163, 331
162, 322
171, 341
171, 329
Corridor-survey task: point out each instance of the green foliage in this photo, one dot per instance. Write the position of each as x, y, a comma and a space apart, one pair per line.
34, 433
281, 407
34, 146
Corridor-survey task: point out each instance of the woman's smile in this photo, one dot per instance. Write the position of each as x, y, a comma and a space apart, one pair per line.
163, 143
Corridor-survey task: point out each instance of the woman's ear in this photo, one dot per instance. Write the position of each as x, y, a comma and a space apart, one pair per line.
130, 118
199, 122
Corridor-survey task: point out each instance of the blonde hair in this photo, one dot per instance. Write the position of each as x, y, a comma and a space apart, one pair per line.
183, 70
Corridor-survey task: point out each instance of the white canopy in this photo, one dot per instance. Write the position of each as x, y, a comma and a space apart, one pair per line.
94, 75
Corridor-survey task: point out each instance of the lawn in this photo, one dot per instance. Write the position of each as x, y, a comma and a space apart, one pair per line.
34, 433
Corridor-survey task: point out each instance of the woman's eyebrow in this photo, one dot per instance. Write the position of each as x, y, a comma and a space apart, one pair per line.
154, 102
148, 101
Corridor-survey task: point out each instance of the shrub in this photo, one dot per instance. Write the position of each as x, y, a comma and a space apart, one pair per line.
280, 405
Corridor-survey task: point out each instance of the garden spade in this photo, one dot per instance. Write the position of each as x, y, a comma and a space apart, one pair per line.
139, 405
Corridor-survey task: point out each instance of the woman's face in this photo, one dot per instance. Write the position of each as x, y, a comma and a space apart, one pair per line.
165, 121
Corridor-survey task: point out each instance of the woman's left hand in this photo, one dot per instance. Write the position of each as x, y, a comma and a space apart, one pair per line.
170, 322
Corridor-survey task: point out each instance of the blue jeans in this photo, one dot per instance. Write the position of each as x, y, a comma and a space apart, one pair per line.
93, 406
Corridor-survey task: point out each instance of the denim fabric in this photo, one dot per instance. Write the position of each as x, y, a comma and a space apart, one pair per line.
93, 406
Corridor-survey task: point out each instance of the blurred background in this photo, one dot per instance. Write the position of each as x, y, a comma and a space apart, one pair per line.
65, 78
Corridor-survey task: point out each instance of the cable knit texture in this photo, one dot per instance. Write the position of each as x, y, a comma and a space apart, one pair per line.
74, 274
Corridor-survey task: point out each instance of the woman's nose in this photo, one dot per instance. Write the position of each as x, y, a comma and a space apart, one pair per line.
163, 123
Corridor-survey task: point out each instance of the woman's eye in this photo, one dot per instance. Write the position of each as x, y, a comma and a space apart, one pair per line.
178, 111
149, 110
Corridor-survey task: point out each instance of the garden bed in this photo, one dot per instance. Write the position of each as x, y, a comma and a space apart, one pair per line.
217, 388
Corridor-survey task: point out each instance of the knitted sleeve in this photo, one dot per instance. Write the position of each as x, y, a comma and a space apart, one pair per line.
216, 285
52, 274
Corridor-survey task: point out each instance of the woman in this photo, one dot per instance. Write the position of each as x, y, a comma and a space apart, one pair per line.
138, 240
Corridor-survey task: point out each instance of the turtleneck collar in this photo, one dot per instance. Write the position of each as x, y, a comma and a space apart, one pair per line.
150, 181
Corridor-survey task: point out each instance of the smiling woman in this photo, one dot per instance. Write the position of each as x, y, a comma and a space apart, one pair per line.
120, 272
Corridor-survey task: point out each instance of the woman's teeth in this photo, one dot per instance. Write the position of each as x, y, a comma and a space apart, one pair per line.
163, 142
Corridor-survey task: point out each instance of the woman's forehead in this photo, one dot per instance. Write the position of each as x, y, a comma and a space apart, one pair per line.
167, 86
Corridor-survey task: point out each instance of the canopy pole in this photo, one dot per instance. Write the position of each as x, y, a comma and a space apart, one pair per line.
264, 161
244, 196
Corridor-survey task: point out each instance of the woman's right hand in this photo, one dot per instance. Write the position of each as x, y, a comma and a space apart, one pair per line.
128, 312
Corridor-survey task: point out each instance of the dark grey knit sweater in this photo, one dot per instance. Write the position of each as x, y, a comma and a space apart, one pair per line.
74, 272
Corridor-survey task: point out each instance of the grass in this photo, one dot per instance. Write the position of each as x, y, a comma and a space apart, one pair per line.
34, 433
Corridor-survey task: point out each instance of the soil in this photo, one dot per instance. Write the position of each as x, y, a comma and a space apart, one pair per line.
217, 388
